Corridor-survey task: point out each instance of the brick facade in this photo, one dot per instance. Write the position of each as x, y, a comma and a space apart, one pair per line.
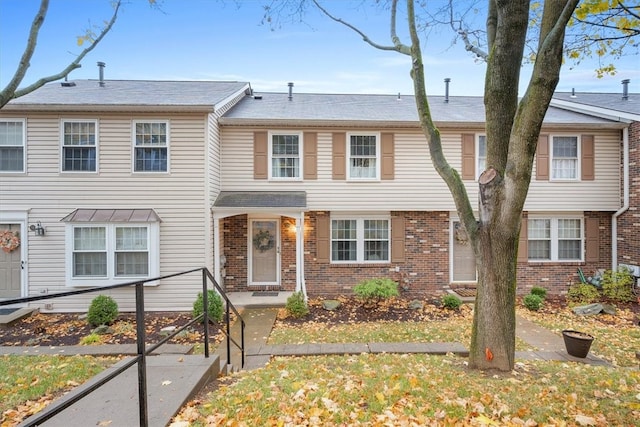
425, 269
629, 221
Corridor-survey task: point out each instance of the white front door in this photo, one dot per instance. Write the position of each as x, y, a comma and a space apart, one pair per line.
10, 261
463, 262
264, 250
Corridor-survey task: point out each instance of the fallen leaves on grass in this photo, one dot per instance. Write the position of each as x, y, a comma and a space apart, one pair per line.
399, 390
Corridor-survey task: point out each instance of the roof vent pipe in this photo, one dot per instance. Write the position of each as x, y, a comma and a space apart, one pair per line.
446, 89
290, 84
101, 66
573, 92
625, 89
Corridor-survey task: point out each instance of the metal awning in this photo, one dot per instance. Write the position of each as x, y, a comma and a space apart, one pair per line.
112, 215
261, 199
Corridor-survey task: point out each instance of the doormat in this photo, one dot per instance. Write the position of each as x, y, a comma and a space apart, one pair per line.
264, 294
6, 311
466, 292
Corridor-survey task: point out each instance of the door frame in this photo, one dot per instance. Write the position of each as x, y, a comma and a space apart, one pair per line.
251, 219
20, 218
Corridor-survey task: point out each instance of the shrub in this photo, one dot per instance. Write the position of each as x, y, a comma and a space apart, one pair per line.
376, 290
451, 301
102, 311
91, 339
214, 300
583, 293
533, 302
539, 291
296, 305
616, 285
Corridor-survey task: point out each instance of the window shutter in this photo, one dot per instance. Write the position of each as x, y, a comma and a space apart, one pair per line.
397, 239
388, 161
523, 244
260, 155
592, 235
310, 165
468, 156
322, 239
339, 155
588, 158
542, 158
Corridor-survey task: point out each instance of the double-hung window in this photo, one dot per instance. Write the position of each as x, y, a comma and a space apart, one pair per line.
79, 146
285, 151
363, 156
364, 240
481, 157
555, 239
12, 144
564, 158
151, 147
103, 254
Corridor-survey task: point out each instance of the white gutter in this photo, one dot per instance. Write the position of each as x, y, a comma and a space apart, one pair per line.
625, 200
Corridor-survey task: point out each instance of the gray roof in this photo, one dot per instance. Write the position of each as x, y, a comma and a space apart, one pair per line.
261, 199
132, 93
611, 101
381, 110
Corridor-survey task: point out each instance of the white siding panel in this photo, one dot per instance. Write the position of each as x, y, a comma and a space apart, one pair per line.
178, 197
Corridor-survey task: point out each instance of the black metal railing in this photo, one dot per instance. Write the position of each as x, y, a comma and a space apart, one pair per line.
142, 350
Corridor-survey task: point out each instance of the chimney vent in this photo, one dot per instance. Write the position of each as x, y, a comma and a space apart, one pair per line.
290, 84
101, 66
573, 92
446, 89
625, 89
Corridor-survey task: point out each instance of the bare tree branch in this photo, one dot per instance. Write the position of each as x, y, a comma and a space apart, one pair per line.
10, 91
464, 35
398, 47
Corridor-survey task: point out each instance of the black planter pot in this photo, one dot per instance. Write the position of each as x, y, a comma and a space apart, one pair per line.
577, 343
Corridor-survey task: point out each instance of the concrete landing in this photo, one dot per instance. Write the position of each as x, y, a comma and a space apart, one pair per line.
171, 381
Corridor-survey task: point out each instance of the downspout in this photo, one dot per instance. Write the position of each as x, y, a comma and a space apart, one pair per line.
625, 199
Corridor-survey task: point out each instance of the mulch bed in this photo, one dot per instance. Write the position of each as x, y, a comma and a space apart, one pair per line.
60, 329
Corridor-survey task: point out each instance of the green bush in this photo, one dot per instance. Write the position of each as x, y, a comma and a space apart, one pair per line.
539, 291
451, 302
616, 285
296, 305
214, 301
533, 302
376, 290
583, 293
102, 311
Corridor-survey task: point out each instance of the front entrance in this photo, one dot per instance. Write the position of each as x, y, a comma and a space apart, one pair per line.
10, 261
264, 250
462, 259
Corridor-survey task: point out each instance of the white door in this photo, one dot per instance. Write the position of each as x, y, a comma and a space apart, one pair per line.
463, 261
10, 261
263, 252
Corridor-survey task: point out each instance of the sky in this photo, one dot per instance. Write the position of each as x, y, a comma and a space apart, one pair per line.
225, 40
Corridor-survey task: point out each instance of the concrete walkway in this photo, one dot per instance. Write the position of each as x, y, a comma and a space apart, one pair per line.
174, 376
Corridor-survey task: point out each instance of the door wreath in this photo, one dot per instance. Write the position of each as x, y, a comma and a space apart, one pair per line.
9, 241
263, 241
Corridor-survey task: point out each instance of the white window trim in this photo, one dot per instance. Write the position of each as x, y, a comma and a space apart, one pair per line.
111, 279
578, 161
133, 145
554, 237
378, 156
271, 134
479, 170
360, 218
24, 143
97, 145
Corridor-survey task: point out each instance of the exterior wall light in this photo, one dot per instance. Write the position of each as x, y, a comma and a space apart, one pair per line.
37, 228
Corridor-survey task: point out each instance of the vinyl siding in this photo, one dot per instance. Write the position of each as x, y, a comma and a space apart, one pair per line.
417, 186
178, 197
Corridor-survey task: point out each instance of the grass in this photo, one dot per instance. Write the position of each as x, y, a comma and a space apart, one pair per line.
28, 383
388, 389
617, 338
